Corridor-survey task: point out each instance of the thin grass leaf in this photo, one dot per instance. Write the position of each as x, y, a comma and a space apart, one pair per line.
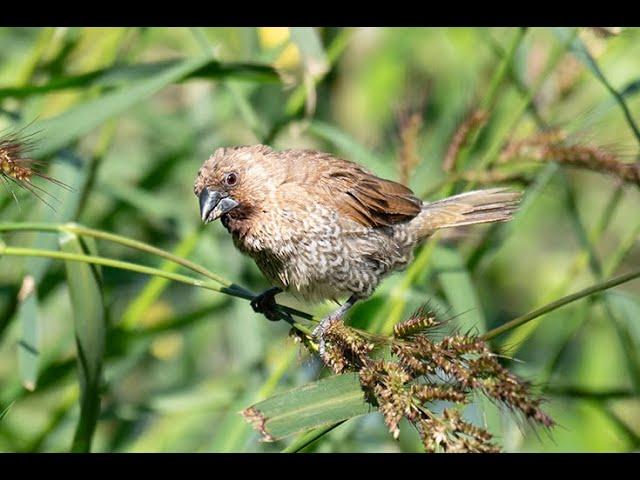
590, 121
498, 232
458, 289
632, 358
121, 75
154, 208
157, 285
67, 400
296, 101
306, 439
90, 327
28, 346
393, 310
526, 104
75, 172
503, 69
5, 411
321, 403
205, 397
83, 118
594, 289
314, 60
35, 269
348, 146
577, 392
626, 430
24, 74
493, 93
234, 432
310, 45
239, 95
625, 311
580, 51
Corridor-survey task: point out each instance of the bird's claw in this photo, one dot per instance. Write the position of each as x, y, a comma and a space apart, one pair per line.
321, 328
265, 303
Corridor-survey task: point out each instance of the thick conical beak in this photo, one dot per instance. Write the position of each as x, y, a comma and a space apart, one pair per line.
214, 204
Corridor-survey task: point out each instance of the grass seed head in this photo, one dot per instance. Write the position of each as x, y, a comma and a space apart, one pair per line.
19, 169
551, 146
473, 122
421, 370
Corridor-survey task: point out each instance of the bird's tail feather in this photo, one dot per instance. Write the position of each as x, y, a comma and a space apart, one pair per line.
478, 206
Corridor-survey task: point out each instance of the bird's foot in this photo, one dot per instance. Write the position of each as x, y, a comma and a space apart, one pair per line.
337, 316
323, 326
265, 303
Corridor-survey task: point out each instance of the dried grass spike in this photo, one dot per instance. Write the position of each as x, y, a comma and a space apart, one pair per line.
409, 129
18, 168
550, 146
475, 120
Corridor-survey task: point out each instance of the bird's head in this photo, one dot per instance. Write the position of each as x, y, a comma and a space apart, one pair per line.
234, 182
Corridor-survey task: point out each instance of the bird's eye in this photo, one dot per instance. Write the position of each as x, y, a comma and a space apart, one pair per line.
230, 179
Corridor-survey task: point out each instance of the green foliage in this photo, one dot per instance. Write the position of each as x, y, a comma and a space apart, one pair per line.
326, 401
125, 117
90, 322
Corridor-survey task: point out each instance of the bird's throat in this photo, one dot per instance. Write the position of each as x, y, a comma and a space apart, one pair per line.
238, 227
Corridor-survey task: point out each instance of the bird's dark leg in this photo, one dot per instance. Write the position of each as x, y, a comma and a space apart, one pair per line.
336, 316
265, 303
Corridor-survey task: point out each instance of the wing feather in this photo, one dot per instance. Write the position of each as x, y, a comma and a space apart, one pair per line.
357, 193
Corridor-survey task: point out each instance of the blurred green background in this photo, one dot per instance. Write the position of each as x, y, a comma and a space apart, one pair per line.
127, 120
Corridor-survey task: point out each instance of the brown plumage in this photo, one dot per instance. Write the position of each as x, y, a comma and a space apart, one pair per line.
321, 227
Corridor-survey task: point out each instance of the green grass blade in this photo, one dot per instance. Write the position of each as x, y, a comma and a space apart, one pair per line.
83, 118
321, 403
67, 399
493, 93
502, 70
526, 104
624, 311
296, 101
5, 411
580, 51
459, 289
157, 285
28, 350
75, 172
121, 75
90, 327
391, 313
207, 396
34, 270
585, 122
310, 45
306, 439
314, 60
348, 146
594, 289
233, 433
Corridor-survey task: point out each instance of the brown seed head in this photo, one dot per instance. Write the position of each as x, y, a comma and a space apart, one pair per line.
18, 168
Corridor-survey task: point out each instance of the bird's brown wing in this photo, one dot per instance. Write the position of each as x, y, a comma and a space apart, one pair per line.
360, 195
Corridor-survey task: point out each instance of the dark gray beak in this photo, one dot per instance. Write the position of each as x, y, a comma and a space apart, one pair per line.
214, 204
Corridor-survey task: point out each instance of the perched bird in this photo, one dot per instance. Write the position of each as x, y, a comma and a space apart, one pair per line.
321, 227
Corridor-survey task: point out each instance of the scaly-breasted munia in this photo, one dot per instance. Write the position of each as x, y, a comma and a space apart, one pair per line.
321, 227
